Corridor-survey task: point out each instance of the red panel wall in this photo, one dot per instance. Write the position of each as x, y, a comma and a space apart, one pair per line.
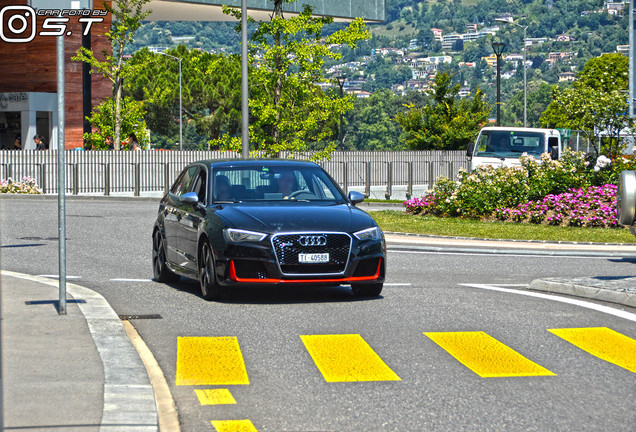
31, 67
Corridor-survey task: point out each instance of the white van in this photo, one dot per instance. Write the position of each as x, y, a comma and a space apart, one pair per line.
498, 146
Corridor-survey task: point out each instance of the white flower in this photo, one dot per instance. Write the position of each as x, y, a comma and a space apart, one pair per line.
602, 162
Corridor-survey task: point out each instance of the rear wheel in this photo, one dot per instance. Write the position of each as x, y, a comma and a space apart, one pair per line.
210, 289
161, 271
367, 290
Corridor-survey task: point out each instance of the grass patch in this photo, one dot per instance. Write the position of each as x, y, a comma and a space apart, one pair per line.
399, 221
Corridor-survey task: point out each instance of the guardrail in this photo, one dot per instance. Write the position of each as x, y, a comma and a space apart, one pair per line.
154, 171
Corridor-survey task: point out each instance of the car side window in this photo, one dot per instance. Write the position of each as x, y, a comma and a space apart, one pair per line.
182, 185
198, 185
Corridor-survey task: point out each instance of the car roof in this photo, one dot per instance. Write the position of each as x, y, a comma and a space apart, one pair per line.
230, 162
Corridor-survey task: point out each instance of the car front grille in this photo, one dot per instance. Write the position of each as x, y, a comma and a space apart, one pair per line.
288, 246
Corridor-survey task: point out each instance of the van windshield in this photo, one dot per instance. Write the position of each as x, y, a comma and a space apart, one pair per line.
509, 144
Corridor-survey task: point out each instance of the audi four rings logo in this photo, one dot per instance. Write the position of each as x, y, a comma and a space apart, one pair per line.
313, 240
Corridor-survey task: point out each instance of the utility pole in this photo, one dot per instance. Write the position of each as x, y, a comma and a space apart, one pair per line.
245, 145
498, 48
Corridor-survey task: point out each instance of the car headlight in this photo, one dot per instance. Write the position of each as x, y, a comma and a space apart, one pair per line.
369, 234
237, 235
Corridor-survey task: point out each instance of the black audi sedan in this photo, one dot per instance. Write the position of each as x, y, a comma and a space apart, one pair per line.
265, 222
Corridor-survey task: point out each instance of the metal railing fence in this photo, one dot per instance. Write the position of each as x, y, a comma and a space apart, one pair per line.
153, 171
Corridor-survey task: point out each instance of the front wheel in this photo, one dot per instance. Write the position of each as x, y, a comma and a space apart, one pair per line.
367, 290
159, 268
210, 289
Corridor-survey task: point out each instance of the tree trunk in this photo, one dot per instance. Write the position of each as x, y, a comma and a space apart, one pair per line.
117, 91
117, 126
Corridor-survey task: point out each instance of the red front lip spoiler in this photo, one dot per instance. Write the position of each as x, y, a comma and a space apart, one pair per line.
340, 280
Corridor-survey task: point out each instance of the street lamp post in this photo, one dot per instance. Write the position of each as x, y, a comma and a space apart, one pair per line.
498, 48
525, 79
180, 100
341, 80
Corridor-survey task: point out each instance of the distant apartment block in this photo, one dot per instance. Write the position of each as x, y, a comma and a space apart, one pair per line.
615, 8
622, 49
567, 77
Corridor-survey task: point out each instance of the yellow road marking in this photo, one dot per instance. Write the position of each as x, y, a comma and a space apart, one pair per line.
233, 426
210, 361
485, 355
603, 343
215, 397
347, 358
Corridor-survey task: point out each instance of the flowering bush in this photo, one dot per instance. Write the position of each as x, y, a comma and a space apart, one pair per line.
594, 206
26, 186
607, 171
479, 193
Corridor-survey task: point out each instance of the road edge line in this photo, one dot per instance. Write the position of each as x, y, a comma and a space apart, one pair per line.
167, 410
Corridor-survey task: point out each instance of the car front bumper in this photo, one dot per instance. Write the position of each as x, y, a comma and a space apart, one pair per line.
256, 264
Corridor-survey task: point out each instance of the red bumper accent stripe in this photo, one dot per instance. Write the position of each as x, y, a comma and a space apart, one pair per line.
235, 278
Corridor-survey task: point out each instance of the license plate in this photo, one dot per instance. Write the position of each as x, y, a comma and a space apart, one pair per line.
313, 258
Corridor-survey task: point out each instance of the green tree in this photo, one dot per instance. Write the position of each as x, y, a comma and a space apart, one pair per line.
132, 121
127, 17
596, 103
445, 122
539, 97
288, 108
211, 90
371, 123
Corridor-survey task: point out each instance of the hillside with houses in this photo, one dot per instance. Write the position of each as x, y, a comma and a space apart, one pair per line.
423, 38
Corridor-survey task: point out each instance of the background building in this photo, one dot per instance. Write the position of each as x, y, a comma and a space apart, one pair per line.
28, 80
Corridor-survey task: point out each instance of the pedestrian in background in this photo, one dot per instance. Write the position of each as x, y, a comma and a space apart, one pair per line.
17, 143
109, 142
40, 143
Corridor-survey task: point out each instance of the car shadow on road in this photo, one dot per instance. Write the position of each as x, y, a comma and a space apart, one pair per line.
278, 295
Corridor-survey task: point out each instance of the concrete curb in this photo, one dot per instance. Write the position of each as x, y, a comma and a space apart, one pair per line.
129, 399
574, 289
496, 251
480, 239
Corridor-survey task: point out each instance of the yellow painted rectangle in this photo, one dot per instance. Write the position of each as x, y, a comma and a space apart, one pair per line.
233, 426
215, 397
603, 343
347, 358
485, 355
210, 361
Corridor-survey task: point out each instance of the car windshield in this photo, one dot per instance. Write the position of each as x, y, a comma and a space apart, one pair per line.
273, 183
509, 144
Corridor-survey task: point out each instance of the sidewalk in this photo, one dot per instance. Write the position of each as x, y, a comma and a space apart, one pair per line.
77, 372
430, 243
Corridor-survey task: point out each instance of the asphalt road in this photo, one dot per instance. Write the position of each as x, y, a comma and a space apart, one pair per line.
424, 387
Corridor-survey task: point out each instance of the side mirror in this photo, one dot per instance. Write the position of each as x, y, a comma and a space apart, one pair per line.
470, 150
355, 197
189, 198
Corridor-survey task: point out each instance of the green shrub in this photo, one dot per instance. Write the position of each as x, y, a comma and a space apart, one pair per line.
480, 192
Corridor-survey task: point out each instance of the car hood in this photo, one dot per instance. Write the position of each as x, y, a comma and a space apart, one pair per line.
295, 217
